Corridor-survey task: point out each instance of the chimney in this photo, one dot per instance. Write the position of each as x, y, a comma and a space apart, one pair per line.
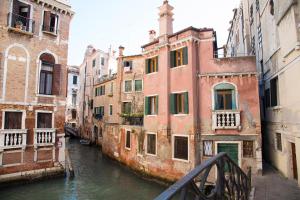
165, 19
152, 35
121, 51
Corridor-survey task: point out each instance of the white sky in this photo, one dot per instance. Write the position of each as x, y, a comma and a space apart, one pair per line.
126, 22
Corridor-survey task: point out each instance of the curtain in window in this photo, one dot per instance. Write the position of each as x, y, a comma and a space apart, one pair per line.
13, 120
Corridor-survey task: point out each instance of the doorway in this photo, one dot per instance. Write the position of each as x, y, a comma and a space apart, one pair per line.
232, 150
294, 161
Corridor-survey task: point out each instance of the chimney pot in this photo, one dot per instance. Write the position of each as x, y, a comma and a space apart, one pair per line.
121, 50
152, 35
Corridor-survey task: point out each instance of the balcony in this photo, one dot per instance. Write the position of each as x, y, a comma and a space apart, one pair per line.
224, 119
133, 119
44, 136
20, 24
13, 138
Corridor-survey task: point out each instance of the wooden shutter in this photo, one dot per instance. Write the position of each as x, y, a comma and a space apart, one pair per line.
146, 105
156, 105
103, 89
172, 58
46, 23
56, 80
130, 64
172, 103
186, 103
157, 60
185, 55
147, 66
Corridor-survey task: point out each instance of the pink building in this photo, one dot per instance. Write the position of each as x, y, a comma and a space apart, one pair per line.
197, 105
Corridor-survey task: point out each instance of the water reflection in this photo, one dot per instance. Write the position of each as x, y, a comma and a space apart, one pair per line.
96, 177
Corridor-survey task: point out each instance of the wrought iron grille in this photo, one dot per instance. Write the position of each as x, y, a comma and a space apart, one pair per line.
231, 183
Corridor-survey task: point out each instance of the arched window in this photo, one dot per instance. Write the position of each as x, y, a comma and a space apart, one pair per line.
46, 74
225, 97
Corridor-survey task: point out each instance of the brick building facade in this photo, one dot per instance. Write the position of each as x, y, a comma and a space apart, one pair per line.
33, 58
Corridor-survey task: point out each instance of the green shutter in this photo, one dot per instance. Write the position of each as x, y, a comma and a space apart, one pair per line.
186, 103
103, 89
172, 58
185, 55
147, 66
172, 103
146, 105
156, 105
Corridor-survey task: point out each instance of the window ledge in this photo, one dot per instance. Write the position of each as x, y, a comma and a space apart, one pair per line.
180, 115
50, 33
128, 149
149, 154
127, 92
150, 115
18, 30
275, 108
178, 67
152, 73
180, 160
45, 95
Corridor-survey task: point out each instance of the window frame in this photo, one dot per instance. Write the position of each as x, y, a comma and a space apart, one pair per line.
110, 109
277, 92
185, 110
212, 148
149, 106
173, 147
75, 77
123, 107
175, 54
124, 87
280, 145
214, 100
135, 85
52, 65
252, 150
147, 153
14, 110
154, 62
46, 112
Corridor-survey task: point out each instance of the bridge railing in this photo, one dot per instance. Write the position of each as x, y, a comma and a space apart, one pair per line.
231, 183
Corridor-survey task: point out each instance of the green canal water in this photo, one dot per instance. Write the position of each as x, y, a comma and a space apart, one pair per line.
96, 177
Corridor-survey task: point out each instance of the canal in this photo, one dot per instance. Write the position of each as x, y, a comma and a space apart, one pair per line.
96, 177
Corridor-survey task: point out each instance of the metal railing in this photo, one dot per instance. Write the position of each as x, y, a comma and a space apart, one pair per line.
133, 121
224, 119
231, 182
44, 136
13, 138
19, 22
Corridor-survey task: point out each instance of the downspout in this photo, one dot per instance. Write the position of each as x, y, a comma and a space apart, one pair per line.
83, 106
197, 141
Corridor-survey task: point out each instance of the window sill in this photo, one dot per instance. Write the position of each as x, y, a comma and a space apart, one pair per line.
127, 92
151, 73
50, 33
178, 67
149, 154
180, 115
150, 115
45, 95
18, 30
181, 160
128, 149
139, 91
275, 108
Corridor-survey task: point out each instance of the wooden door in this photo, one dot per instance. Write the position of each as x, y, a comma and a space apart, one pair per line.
294, 160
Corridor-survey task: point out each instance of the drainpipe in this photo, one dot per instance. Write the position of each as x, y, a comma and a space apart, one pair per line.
197, 142
83, 106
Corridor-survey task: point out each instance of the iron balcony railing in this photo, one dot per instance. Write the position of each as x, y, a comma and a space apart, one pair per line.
21, 23
133, 121
231, 183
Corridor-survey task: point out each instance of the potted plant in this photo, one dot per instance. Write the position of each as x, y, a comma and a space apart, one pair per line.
19, 24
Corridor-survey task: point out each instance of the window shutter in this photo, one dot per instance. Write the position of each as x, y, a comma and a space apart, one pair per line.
46, 23
146, 105
130, 64
185, 55
156, 105
186, 103
233, 100
56, 79
146, 66
172, 58
172, 103
103, 89
157, 60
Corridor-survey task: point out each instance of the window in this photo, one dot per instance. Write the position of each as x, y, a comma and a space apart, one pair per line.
274, 91
74, 113
179, 57
44, 120
138, 85
248, 149
110, 110
128, 86
151, 105
49, 76
127, 140
208, 148
179, 103
94, 63
74, 98
127, 107
271, 7
75, 80
50, 23
100, 91
267, 98
151, 143
20, 16
127, 66
278, 142
13, 120
99, 110
181, 147
102, 61
225, 98
111, 88
151, 65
